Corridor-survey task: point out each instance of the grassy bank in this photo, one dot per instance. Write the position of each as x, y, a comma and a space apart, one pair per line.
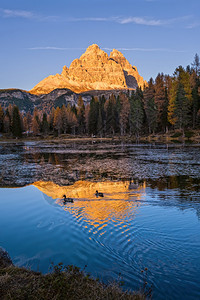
62, 283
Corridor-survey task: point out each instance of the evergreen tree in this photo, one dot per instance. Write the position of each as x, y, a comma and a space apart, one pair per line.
16, 123
136, 113
81, 115
35, 122
195, 103
182, 109
151, 113
7, 122
124, 113
100, 123
196, 64
45, 125
149, 106
50, 119
57, 122
93, 116
183, 78
71, 119
160, 101
111, 115
64, 119
87, 113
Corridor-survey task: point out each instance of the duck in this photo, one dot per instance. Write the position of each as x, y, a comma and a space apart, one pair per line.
133, 186
98, 194
65, 199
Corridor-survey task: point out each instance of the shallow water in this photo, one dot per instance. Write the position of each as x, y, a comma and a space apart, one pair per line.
154, 225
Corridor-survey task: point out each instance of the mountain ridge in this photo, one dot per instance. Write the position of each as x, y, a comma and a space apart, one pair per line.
94, 70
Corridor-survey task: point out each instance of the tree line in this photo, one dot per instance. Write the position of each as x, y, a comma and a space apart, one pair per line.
168, 102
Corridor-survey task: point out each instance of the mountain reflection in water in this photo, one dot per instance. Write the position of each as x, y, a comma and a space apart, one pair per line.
119, 201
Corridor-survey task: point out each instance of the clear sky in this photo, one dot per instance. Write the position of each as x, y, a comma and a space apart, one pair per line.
39, 37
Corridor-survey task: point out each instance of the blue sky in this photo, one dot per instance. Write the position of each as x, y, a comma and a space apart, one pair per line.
39, 37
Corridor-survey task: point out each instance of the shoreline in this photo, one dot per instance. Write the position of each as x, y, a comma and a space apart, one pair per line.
63, 282
192, 136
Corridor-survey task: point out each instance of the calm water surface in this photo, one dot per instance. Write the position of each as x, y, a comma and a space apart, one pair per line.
154, 223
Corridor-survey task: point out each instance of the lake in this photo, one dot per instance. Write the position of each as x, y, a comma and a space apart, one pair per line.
149, 216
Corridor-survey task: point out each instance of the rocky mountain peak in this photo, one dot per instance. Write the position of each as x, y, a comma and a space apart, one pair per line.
116, 53
92, 48
94, 70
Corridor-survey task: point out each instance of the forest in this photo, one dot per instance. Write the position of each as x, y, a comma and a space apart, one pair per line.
166, 103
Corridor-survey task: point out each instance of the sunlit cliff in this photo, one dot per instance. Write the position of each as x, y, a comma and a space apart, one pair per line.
94, 70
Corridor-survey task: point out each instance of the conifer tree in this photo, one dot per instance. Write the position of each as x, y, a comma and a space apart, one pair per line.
81, 115
151, 113
35, 122
64, 119
111, 115
7, 122
87, 112
149, 106
57, 122
124, 113
182, 108
16, 123
93, 116
50, 119
71, 119
160, 101
100, 123
45, 125
183, 78
196, 64
136, 113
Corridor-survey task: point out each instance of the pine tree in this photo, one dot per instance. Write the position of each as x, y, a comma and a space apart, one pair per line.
160, 101
93, 116
50, 119
183, 78
71, 119
182, 108
7, 122
35, 122
151, 113
124, 113
136, 113
111, 115
57, 122
81, 115
196, 64
45, 125
16, 123
87, 113
149, 106
64, 119
100, 123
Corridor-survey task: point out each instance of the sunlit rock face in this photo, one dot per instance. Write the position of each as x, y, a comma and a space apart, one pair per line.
94, 70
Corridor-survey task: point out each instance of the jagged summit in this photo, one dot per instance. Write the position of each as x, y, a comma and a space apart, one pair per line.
94, 70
